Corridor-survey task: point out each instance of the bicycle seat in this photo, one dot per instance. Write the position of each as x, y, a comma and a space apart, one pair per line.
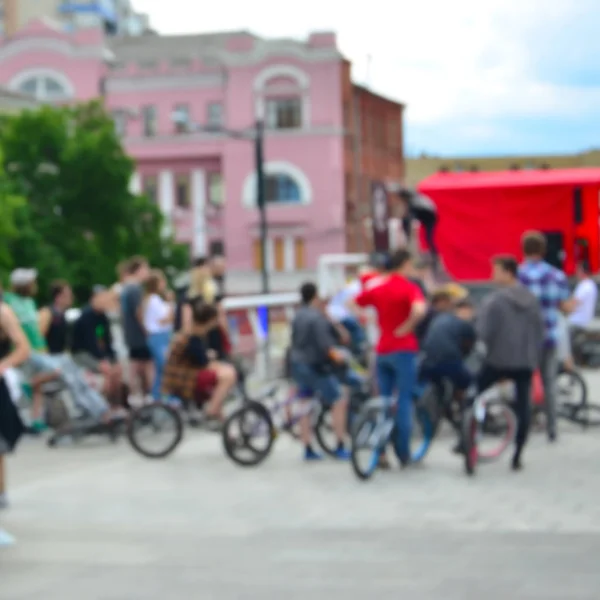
305, 393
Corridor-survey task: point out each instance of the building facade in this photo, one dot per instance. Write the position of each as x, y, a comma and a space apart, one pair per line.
175, 98
420, 168
116, 17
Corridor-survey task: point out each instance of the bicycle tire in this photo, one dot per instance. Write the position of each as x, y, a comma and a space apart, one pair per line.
568, 409
431, 402
146, 414
427, 419
469, 441
246, 416
365, 426
484, 455
588, 415
324, 427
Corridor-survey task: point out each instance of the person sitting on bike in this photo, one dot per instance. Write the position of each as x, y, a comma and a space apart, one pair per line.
448, 341
313, 357
340, 312
442, 301
191, 367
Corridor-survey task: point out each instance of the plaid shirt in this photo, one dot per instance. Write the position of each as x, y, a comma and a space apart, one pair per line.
180, 374
550, 287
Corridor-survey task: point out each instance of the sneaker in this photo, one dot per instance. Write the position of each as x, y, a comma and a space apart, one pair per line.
3, 501
458, 448
6, 539
38, 427
310, 455
516, 464
342, 454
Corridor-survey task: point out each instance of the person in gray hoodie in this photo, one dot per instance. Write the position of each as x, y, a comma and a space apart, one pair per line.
511, 326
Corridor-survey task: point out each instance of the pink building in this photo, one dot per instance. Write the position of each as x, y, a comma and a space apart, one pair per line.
161, 89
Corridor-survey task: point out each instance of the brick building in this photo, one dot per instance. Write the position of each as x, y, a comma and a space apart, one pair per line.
374, 151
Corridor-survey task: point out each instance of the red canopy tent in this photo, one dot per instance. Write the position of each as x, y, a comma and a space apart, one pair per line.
485, 214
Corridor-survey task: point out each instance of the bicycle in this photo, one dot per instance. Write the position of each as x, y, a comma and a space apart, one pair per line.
258, 420
375, 428
163, 423
572, 400
487, 404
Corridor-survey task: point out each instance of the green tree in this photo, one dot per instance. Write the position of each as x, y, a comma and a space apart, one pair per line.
80, 219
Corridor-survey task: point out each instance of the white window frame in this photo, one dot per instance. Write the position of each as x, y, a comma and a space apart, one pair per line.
278, 168
39, 75
290, 72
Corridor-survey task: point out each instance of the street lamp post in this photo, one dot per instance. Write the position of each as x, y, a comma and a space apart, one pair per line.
259, 136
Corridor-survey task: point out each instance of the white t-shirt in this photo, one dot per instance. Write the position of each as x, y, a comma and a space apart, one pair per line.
337, 308
156, 310
586, 294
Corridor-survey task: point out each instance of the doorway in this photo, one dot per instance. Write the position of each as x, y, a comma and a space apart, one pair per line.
555, 248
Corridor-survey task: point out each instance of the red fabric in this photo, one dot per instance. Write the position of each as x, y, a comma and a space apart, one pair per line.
514, 179
205, 384
393, 300
477, 223
366, 277
537, 389
226, 341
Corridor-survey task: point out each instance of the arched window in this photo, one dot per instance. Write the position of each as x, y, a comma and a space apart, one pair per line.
44, 86
282, 97
285, 184
282, 189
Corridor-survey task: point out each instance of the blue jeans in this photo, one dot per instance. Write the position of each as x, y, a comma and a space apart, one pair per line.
358, 336
159, 346
397, 372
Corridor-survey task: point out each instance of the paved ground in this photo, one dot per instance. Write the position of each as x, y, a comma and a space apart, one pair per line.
100, 523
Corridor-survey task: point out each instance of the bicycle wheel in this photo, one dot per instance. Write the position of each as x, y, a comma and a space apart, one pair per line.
155, 430
469, 441
248, 435
365, 439
324, 431
425, 422
588, 415
494, 439
571, 394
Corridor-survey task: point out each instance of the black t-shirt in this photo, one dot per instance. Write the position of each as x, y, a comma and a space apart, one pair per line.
197, 351
56, 337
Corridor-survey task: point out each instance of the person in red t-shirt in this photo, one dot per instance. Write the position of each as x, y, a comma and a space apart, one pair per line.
400, 306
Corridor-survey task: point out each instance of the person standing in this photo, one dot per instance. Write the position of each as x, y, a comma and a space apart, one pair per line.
400, 306
584, 302
52, 319
511, 325
140, 357
158, 314
14, 350
549, 285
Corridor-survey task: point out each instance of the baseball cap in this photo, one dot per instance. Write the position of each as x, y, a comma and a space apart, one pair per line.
23, 276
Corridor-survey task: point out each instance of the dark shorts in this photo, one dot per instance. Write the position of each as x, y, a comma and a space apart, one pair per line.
142, 354
311, 383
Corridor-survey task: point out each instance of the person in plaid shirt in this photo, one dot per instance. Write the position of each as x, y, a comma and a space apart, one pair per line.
549, 285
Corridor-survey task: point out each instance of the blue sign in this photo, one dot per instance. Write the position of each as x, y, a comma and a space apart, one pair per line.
103, 8
262, 312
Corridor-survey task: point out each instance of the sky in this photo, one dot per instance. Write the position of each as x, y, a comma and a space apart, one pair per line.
478, 77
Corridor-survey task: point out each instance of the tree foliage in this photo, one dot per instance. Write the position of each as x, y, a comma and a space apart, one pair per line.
79, 218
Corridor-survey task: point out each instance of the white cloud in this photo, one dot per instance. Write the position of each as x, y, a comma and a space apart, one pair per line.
466, 59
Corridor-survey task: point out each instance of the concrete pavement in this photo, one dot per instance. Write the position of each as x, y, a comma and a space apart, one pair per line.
98, 522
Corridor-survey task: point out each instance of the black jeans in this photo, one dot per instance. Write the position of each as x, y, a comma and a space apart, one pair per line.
428, 221
522, 379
